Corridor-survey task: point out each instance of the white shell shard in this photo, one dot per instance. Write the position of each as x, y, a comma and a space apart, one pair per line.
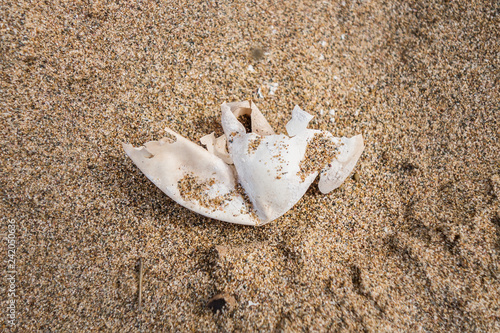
217, 146
259, 123
268, 166
209, 184
298, 123
270, 174
333, 176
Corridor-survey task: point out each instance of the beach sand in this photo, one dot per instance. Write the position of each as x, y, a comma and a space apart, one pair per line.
412, 245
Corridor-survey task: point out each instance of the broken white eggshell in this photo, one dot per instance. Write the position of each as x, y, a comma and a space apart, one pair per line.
247, 178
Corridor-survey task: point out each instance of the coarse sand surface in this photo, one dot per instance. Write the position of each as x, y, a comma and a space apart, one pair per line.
411, 243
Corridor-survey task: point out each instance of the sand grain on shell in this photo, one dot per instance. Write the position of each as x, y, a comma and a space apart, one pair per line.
320, 152
192, 188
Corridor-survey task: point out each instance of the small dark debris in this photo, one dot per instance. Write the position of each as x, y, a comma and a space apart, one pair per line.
217, 304
257, 53
30, 59
356, 176
220, 301
408, 167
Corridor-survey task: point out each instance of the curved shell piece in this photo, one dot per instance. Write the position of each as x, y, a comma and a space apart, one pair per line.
268, 166
217, 146
194, 178
271, 172
342, 166
260, 125
298, 123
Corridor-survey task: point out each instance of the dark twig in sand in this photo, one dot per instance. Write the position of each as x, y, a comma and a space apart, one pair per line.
140, 282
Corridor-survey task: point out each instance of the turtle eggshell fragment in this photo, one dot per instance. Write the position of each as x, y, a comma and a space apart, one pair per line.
331, 177
268, 167
298, 123
259, 177
194, 178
